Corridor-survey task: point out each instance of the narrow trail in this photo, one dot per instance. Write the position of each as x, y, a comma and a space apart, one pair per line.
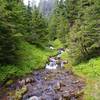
59, 84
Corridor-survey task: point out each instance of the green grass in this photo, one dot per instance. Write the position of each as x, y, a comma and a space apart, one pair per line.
91, 72
31, 58
90, 69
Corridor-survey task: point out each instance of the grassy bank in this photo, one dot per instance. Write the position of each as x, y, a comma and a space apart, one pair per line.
91, 72
31, 58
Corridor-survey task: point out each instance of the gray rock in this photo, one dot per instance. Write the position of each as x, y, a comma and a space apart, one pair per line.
57, 85
34, 98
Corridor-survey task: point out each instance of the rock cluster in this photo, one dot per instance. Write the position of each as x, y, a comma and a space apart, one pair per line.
55, 85
58, 84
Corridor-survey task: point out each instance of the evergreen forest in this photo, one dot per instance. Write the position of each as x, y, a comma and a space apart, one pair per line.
30, 34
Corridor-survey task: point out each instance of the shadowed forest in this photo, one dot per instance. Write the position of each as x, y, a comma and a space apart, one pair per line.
30, 35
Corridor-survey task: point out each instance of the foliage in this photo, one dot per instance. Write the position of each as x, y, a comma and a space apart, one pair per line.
83, 36
39, 32
91, 72
7, 32
31, 58
90, 68
58, 23
57, 44
76, 25
17, 21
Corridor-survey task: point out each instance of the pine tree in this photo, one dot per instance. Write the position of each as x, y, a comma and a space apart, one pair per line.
52, 27
7, 29
62, 22
58, 22
39, 31
83, 34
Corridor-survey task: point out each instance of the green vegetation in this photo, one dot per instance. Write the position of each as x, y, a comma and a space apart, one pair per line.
84, 37
23, 39
31, 58
90, 71
91, 68
18, 21
58, 23
25, 35
76, 25
57, 44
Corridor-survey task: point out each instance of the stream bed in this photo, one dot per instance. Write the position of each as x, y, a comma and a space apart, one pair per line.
60, 84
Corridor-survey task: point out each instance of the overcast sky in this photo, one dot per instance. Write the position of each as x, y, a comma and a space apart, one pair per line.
36, 1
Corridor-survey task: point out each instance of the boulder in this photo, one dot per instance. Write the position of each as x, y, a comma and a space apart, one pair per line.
22, 82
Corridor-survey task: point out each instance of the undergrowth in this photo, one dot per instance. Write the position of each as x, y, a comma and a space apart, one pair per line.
91, 72
31, 58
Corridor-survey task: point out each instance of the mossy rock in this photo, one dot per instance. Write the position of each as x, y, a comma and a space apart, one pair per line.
18, 94
9, 82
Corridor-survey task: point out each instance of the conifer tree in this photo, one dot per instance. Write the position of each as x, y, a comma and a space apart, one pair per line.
58, 22
7, 30
39, 33
83, 31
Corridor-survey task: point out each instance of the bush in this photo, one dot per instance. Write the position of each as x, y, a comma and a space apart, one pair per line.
57, 44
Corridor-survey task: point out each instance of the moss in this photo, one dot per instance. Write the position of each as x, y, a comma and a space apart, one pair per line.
17, 94
9, 82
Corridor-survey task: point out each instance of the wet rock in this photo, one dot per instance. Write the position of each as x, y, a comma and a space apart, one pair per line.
51, 85
21, 82
45, 78
29, 80
75, 82
58, 97
47, 97
73, 98
57, 85
63, 84
65, 94
34, 98
17, 95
